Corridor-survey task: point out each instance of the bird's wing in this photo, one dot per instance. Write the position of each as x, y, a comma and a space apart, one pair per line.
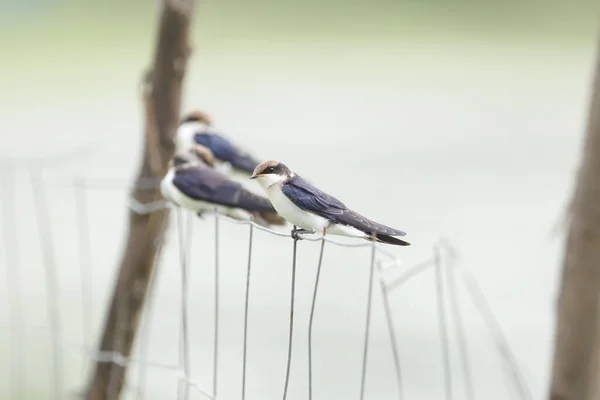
352, 218
208, 185
224, 150
245, 162
309, 198
312, 199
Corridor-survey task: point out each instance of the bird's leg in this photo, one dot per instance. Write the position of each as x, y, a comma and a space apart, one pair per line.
200, 214
297, 231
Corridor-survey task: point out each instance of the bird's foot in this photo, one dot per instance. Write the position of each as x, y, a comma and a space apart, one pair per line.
296, 233
200, 214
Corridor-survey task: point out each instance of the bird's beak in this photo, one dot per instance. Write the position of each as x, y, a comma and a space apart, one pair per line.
254, 177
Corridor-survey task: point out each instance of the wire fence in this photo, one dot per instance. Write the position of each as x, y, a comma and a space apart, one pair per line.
385, 272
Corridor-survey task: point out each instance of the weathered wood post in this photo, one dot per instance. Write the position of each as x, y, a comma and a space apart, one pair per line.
162, 100
576, 373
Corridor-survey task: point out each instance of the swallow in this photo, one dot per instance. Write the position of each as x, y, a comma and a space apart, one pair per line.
312, 210
196, 128
192, 183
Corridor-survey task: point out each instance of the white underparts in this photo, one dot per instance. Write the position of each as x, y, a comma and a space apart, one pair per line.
304, 219
173, 194
185, 135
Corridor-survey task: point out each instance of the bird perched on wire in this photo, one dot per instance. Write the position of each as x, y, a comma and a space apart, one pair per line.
192, 183
313, 210
195, 128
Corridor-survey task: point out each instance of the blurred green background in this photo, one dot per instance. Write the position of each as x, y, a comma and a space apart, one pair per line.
467, 115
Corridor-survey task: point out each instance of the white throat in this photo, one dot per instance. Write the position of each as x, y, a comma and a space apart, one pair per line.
185, 134
267, 181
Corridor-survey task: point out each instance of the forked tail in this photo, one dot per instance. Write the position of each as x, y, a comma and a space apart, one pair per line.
390, 240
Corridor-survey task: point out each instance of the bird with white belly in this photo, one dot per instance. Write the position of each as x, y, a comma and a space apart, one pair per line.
313, 210
196, 128
192, 183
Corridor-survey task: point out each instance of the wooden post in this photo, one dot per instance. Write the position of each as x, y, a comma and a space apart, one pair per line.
162, 99
576, 373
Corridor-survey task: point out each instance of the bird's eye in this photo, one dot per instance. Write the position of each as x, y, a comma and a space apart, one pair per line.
271, 169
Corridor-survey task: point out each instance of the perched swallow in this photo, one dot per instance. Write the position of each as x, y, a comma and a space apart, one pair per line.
195, 129
312, 210
192, 183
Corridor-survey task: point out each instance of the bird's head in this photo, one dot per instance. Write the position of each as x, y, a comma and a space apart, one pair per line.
204, 154
270, 172
193, 157
197, 116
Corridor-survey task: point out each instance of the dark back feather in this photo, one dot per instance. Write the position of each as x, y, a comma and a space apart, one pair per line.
224, 150
312, 199
201, 183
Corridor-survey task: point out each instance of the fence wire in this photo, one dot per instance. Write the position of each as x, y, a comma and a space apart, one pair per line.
444, 262
85, 262
246, 303
291, 332
11, 235
311, 318
184, 362
441, 311
42, 211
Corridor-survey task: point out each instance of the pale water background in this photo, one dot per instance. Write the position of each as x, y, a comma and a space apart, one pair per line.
438, 118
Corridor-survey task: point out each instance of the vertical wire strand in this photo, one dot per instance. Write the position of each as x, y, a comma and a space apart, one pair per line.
247, 298
390, 323
460, 332
52, 290
481, 304
149, 314
367, 323
13, 281
441, 312
85, 263
183, 387
291, 333
216, 326
189, 233
312, 313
